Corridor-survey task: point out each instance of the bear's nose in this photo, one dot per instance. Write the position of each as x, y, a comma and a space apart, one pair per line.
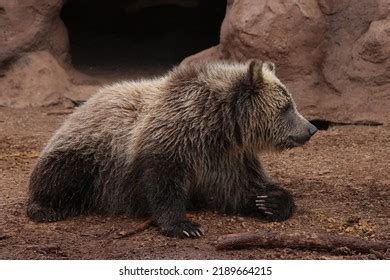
312, 129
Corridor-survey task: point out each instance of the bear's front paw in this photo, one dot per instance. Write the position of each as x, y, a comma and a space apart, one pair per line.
183, 229
276, 204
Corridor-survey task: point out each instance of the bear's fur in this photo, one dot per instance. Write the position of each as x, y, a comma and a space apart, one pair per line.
154, 148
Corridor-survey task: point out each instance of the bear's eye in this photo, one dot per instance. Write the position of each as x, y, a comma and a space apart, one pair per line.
286, 108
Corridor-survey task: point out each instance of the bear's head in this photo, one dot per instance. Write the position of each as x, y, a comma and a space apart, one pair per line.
266, 112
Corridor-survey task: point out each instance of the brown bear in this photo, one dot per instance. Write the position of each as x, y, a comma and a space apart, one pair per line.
156, 148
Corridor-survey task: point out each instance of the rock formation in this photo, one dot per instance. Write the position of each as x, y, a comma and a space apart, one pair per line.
333, 54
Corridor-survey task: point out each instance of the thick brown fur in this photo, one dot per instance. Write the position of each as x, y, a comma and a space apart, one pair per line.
155, 148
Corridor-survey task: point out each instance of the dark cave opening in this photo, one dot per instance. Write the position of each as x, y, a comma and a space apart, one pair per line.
137, 38
322, 124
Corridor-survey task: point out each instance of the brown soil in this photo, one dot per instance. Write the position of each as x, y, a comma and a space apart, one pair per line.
341, 182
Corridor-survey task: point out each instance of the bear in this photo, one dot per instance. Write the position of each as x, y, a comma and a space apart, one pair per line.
155, 148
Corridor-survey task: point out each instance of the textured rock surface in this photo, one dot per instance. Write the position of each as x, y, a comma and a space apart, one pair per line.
28, 76
37, 79
333, 54
34, 56
31, 25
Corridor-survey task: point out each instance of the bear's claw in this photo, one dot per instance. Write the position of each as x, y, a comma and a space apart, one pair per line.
183, 229
277, 205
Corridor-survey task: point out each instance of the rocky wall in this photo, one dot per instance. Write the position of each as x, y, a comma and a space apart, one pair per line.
334, 55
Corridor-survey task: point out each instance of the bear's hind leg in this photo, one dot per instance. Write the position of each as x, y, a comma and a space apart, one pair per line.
39, 213
61, 185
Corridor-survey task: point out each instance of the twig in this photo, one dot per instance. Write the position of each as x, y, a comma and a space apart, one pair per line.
310, 241
138, 228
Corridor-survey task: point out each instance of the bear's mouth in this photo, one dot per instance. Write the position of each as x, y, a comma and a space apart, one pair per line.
289, 143
293, 144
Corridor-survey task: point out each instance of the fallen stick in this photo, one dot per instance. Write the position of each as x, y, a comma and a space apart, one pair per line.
138, 228
310, 241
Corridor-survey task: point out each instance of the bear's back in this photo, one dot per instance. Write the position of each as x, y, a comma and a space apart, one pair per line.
107, 120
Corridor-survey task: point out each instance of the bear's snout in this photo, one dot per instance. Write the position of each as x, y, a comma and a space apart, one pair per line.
302, 138
312, 129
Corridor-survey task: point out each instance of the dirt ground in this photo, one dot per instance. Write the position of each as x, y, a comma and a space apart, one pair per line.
340, 180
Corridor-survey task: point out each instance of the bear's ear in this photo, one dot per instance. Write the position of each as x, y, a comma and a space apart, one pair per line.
255, 71
270, 66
